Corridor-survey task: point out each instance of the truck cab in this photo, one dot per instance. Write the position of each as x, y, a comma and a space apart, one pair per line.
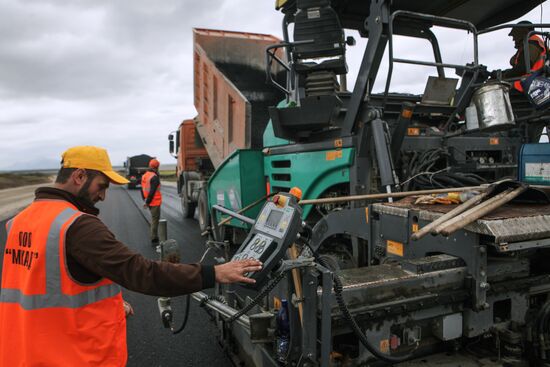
134, 167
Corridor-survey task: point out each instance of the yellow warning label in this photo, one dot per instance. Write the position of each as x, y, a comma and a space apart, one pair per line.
407, 113
413, 131
415, 227
338, 143
333, 154
494, 141
366, 214
385, 346
395, 248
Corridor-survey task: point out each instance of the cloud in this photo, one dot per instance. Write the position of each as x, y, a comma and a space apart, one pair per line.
118, 74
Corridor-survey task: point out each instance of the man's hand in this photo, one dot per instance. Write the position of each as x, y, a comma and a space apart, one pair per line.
234, 271
128, 309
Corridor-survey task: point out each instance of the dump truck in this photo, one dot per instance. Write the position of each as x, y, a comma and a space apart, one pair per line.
134, 167
358, 269
232, 99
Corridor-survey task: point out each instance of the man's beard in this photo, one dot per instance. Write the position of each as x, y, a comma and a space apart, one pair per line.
83, 193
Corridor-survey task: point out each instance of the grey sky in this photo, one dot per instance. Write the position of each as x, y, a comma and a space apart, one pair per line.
118, 74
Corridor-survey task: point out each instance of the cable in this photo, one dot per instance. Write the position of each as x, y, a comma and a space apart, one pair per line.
540, 327
257, 299
185, 318
337, 286
188, 302
353, 324
423, 173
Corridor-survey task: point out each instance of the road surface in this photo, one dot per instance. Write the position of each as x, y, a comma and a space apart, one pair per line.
14, 199
149, 344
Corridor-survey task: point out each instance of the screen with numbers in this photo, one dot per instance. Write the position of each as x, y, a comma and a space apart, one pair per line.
274, 218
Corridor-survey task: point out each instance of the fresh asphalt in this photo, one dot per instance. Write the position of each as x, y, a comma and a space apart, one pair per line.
149, 343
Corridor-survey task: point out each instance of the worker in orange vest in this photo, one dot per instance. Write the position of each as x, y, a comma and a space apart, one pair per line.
150, 192
537, 54
60, 299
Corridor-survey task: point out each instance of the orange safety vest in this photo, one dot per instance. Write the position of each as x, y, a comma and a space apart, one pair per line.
539, 63
46, 317
146, 187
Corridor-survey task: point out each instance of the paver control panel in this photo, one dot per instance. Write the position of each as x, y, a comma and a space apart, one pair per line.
273, 233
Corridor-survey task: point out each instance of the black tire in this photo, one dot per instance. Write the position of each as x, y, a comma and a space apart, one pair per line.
204, 213
187, 207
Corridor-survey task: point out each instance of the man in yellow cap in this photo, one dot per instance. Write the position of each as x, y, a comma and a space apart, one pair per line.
60, 300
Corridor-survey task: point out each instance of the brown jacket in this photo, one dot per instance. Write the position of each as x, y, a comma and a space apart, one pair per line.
94, 252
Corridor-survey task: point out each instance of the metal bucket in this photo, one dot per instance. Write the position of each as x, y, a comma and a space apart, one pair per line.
494, 110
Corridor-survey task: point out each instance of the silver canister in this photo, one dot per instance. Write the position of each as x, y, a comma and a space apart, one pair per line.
494, 110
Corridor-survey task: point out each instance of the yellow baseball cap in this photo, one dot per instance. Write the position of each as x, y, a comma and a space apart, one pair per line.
89, 157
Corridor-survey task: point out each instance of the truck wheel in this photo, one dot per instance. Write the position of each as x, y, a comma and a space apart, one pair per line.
204, 214
187, 207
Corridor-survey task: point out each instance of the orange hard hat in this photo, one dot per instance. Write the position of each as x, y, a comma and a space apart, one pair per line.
154, 163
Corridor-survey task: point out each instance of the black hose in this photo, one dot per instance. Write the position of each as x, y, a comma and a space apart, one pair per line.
545, 314
341, 304
468, 181
185, 318
257, 299
541, 326
474, 176
353, 324
450, 182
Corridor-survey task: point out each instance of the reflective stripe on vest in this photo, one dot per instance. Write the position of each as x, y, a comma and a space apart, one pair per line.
146, 187
8, 226
537, 65
54, 296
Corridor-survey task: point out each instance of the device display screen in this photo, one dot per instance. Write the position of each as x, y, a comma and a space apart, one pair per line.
273, 219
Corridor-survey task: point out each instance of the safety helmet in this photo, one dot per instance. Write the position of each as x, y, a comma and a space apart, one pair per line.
154, 163
521, 30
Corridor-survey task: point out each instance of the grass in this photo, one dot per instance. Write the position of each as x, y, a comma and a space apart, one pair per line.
9, 180
168, 175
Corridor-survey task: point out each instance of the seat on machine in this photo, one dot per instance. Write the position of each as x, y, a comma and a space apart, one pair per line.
318, 34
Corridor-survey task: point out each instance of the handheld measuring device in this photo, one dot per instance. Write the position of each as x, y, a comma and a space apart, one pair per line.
273, 233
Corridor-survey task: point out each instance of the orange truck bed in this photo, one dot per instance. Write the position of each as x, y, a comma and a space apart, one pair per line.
231, 94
